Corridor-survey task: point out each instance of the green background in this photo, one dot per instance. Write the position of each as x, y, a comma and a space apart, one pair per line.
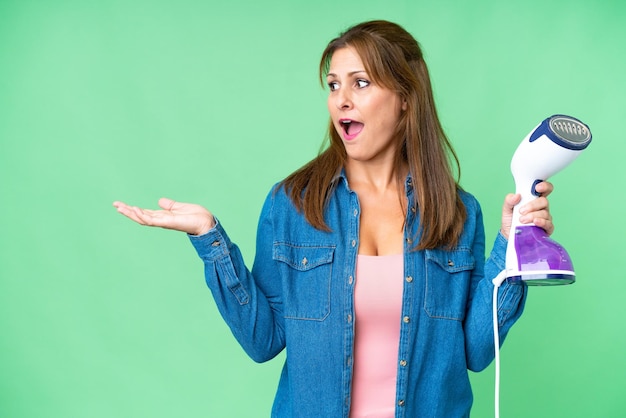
212, 102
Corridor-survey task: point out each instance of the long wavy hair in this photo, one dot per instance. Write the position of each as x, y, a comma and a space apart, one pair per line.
394, 60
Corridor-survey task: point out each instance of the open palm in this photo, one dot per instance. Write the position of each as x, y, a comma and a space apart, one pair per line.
185, 217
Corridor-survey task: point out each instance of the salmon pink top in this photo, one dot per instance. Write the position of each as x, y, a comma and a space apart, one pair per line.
378, 307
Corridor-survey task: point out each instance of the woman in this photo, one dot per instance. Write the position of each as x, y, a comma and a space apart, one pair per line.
369, 264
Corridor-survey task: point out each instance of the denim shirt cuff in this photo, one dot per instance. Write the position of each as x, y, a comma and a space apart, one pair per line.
498, 251
211, 245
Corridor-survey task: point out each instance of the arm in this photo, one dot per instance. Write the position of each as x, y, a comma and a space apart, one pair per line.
511, 297
253, 318
253, 313
479, 322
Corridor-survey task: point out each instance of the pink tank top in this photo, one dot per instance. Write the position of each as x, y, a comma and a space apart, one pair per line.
378, 307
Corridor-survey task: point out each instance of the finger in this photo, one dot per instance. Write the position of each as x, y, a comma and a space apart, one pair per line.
122, 207
129, 212
545, 188
545, 224
148, 217
167, 204
532, 216
510, 201
117, 204
535, 205
143, 216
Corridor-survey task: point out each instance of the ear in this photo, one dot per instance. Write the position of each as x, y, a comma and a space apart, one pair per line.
403, 104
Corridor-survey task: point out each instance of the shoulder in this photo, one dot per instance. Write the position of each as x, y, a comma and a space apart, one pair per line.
473, 228
278, 203
279, 194
472, 206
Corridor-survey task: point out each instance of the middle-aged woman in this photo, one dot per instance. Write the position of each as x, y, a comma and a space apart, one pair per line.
369, 266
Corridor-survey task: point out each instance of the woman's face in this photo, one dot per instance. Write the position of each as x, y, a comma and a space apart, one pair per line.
364, 114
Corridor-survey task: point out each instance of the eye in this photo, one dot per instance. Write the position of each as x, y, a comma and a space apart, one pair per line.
362, 83
333, 85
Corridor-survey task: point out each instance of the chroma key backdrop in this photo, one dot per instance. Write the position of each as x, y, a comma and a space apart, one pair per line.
213, 102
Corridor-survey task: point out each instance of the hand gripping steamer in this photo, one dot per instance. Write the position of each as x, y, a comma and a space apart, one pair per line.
531, 256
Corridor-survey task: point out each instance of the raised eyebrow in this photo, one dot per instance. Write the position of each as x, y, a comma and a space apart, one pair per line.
351, 73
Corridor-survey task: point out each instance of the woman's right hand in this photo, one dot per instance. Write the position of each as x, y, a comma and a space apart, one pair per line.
185, 217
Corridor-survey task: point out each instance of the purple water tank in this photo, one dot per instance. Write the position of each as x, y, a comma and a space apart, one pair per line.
541, 260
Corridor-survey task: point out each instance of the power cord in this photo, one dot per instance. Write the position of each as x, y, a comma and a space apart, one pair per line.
497, 281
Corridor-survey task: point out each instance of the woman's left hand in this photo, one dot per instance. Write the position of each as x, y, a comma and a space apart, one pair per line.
536, 211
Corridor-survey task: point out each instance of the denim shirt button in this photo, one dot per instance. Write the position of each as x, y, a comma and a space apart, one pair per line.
403, 363
350, 280
450, 263
356, 212
409, 241
406, 319
401, 402
215, 244
409, 279
349, 318
354, 243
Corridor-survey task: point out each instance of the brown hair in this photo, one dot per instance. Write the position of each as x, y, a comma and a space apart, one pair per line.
393, 59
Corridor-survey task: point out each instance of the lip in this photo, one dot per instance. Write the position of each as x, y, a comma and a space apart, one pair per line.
344, 133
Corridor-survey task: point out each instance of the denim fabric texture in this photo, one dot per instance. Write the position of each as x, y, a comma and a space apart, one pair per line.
299, 296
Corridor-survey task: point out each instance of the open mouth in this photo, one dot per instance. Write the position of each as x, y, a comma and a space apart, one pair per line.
351, 127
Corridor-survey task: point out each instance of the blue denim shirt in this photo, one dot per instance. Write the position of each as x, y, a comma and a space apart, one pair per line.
300, 296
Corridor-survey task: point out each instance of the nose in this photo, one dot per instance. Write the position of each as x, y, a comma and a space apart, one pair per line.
344, 99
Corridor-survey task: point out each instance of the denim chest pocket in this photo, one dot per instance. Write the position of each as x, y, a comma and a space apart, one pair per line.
448, 279
306, 272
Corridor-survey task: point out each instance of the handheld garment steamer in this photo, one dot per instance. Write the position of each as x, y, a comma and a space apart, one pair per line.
531, 256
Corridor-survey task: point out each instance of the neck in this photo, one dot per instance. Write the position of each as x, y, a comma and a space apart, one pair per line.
379, 176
